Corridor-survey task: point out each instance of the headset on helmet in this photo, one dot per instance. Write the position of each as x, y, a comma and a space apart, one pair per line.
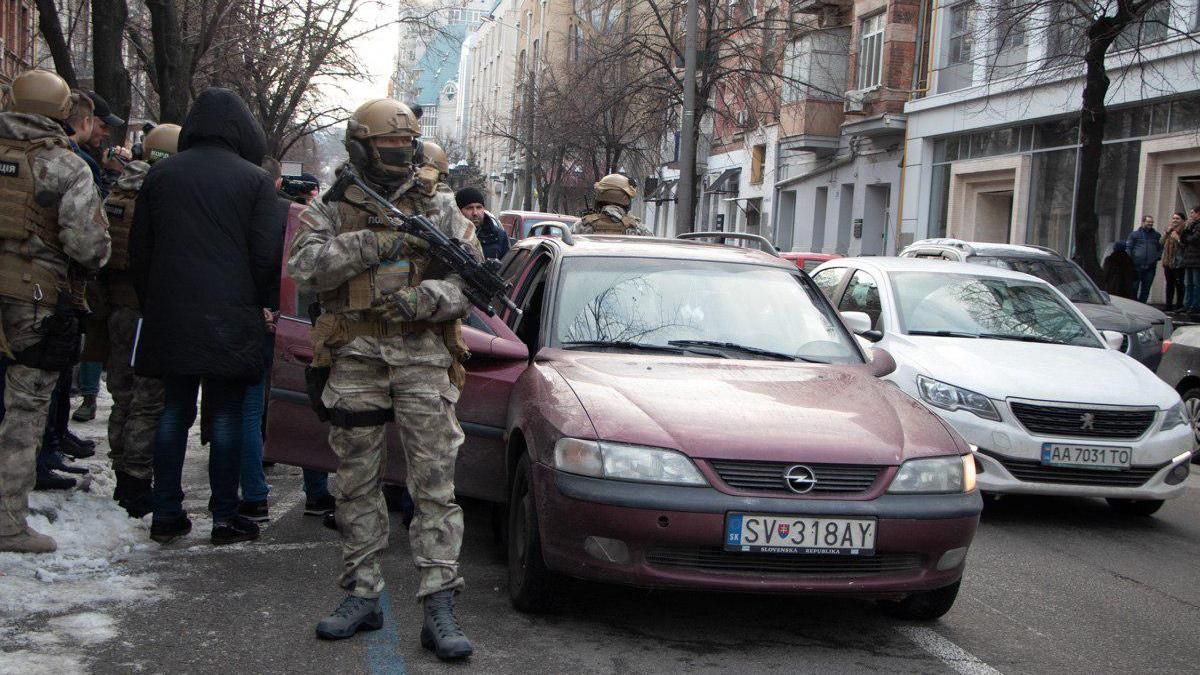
380, 118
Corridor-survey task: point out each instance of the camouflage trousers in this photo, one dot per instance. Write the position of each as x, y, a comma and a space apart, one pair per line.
27, 402
422, 399
137, 401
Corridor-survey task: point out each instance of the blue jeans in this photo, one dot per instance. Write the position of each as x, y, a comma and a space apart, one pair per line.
89, 377
316, 484
1145, 279
253, 480
1191, 284
224, 400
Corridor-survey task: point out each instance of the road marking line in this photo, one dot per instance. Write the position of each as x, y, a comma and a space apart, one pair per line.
383, 645
946, 651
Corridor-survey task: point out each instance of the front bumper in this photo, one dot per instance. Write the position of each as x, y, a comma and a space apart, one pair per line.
674, 537
1004, 446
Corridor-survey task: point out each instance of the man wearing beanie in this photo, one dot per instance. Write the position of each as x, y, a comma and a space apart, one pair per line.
491, 235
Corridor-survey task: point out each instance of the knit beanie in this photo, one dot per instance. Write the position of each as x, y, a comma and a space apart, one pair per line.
467, 196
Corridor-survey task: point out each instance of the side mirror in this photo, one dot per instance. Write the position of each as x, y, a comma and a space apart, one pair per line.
857, 322
486, 346
1113, 339
882, 364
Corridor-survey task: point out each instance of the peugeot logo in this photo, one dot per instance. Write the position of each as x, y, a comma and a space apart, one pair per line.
1087, 422
800, 479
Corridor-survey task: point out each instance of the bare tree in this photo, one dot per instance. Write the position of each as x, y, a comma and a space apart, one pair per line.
52, 32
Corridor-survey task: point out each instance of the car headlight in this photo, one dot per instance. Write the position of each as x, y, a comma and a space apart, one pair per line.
1145, 337
935, 475
950, 397
1175, 416
619, 461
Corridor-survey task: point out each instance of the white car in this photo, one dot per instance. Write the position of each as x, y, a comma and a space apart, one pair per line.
1048, 403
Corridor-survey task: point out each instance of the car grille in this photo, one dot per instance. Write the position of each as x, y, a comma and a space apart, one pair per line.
1035, 472
768, 476
719, 560
1067, 421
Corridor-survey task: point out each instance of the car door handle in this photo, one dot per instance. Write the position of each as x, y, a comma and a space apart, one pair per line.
303, 354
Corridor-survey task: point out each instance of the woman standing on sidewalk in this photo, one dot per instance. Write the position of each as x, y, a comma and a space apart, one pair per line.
1173, 262
1190, 238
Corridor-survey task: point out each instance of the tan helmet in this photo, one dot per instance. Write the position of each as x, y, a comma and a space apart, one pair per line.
435, 155
161, 142
378, 118
41, 92
614, 189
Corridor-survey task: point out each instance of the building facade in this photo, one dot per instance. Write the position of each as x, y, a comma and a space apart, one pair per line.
16, 38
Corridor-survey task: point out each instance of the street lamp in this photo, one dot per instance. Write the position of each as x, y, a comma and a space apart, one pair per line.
530, 101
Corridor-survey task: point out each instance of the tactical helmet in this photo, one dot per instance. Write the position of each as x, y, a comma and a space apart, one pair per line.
161, 142
614, 189
41, 92
379, 118
435, 155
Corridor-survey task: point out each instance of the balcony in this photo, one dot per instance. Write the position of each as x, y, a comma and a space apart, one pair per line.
818, 6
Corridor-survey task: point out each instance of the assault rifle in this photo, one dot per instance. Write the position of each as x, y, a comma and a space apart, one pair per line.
482, 282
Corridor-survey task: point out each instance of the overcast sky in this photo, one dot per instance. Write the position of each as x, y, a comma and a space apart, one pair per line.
378, 53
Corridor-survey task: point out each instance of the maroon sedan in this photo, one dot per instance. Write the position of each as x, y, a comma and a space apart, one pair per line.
808, 261
687, 415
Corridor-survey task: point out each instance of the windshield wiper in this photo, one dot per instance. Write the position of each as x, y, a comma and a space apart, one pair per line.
741, 348
944, 333
1022, 338
622, 344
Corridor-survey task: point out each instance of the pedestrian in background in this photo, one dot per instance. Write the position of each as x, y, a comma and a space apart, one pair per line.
488, 230
205, 255
1173, 261
1120, 276
1145, 248
1189, 238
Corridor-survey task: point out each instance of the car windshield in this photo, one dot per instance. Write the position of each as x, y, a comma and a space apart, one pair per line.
1062, 274
555, 231
964, 305
697, 307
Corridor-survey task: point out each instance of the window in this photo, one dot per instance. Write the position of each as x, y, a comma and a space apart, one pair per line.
870, 50
862, 295
758, 157
1068, 33
1152, 28
962, 23
828, 280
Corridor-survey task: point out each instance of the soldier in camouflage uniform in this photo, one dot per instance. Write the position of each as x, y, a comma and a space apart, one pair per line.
390, 329
52, 233
137, 401
436, 168
611, 216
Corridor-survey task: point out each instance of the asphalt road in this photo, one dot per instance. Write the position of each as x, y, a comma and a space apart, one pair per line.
1052, 586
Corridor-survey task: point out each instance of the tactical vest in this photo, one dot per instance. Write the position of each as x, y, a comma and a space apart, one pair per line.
21, 217
602, 224
364, 290
119, 207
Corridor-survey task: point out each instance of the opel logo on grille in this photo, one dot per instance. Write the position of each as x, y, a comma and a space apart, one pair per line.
800, 479
1087, 422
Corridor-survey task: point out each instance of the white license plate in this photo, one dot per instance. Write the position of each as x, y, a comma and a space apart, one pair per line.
758, 533
1086, 456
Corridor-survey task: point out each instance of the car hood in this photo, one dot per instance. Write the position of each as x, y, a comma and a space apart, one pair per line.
1138, 310
1112, 317
755, 410
1002, 369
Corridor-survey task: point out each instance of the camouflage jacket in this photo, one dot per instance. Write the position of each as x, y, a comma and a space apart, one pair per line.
83, 228
593, 221
322, 260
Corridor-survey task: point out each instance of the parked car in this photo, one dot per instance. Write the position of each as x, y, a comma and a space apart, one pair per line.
1180, 368
1049, 404
808, 261
684, 415
1143, 326
518, 223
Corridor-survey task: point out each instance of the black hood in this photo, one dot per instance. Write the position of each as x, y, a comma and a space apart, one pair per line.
221, 117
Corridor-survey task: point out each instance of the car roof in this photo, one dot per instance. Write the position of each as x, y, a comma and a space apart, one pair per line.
883, 265
655, 247
537, 214
989, 249
806, 255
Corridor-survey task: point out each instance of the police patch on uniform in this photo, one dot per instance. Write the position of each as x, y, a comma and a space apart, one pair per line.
115, 210
9, 169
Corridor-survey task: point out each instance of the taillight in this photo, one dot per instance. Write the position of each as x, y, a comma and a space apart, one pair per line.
1166, 345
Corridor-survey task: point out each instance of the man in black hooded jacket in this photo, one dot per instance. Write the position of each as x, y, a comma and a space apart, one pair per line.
204, 255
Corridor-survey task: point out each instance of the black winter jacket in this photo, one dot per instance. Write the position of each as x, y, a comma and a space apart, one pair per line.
1189, 241
205, 247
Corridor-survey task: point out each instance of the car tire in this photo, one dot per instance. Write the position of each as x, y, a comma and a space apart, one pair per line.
923, 605
530, 585
1191, 406
1135, 507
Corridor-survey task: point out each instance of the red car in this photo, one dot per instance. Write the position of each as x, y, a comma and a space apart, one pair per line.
518, 223
808, 261
687, 415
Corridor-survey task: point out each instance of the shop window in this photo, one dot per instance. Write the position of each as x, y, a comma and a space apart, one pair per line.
1185, 114
938, 200
1052, 198
1116, 193
1056, 133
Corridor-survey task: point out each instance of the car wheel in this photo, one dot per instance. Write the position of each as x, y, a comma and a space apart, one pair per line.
924, 605
530, 584
1191, 405
1135, 507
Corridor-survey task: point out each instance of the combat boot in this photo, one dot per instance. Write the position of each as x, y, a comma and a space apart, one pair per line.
441, 633
57, 461
76, 447
138, 497
29, 541
86, 412
353, 615
48, 480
